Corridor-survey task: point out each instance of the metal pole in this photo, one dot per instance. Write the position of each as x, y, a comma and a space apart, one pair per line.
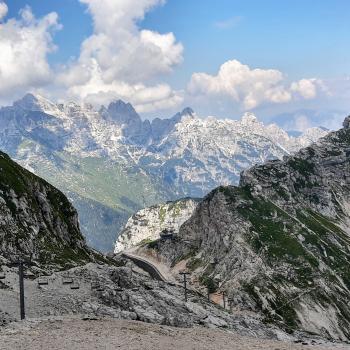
21, 289
184, 274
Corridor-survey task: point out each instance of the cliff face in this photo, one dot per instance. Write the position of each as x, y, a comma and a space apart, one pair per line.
36, 220
147, 224
279, 243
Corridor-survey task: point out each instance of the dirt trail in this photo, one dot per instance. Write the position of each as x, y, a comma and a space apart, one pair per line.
108, 334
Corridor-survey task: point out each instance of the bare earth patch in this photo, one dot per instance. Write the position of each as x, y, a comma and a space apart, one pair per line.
132, 335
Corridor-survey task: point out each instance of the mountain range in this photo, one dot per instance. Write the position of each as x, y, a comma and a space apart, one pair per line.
111, 163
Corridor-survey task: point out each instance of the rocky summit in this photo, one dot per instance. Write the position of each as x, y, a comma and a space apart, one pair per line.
279, 243
111, 163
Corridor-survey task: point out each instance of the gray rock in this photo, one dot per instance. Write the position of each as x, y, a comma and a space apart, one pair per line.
280, 240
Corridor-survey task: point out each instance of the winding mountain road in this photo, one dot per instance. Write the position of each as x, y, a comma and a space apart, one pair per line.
159, 272
146, 265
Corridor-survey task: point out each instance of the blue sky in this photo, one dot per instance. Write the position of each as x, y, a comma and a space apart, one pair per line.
303, 40
300, 37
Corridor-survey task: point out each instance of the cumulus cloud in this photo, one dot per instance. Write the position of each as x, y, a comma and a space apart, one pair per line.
119, 58
24, 46
3, 10
250, 87
144, 98
306, 88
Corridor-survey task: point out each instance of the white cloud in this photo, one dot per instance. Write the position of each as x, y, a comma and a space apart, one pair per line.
24, 46
306, 88
250, 87
228, 23
3, 10
121, 60
118, 59
144, 98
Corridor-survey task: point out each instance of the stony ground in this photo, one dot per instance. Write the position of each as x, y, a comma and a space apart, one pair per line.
55, 316
122, 293
78, 334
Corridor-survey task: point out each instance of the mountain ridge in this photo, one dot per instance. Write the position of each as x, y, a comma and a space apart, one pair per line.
113, 158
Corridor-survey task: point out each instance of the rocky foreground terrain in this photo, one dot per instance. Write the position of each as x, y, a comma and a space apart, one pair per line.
124, 292
99, 310
111, 334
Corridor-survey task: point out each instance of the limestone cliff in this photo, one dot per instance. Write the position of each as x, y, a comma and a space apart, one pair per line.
148, 223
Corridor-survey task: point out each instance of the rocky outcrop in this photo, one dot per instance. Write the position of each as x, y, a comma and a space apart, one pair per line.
279, 243
37, 222
147, 224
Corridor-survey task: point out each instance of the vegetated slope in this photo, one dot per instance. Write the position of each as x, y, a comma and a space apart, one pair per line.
111, 163
37, 222
279, 243
147, 224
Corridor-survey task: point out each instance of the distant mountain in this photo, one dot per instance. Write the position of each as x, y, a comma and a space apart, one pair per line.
111, 163
279, 243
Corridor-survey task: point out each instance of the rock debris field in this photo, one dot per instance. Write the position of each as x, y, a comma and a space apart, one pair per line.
129, 311
124, 334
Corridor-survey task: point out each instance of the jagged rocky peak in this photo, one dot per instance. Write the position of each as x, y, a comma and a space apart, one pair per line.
162, 127
35, 102
122, 112
280, 240
346, 123
187, 111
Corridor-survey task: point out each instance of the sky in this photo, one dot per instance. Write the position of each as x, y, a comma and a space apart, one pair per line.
221, 57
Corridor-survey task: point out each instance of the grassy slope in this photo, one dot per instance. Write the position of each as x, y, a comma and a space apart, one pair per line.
47, 244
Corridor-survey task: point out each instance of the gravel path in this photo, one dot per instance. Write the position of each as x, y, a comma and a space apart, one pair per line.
108, 334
